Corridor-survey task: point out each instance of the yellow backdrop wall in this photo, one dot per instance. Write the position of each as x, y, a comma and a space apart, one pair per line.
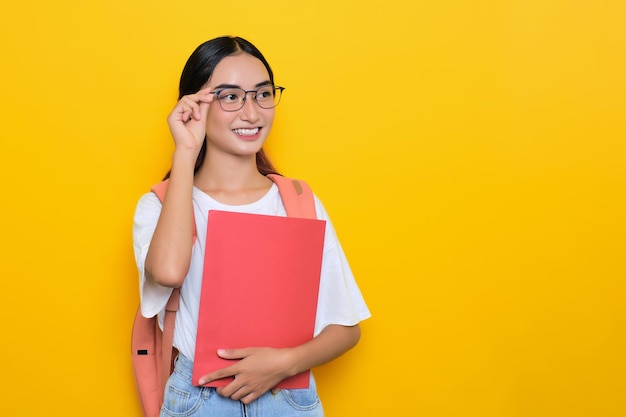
471, 154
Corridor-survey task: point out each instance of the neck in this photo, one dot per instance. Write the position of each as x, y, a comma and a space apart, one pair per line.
232, 180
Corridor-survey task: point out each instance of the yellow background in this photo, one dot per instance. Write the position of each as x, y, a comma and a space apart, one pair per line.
471, 154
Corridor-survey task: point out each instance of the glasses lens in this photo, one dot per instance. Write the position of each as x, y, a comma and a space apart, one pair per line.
231, 99
266, 97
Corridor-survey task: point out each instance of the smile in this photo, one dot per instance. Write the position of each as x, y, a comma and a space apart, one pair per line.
246, 132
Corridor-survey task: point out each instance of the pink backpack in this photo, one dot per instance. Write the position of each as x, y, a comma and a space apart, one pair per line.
152, 351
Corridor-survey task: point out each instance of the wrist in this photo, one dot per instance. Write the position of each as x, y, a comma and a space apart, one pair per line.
292, 362
184, 158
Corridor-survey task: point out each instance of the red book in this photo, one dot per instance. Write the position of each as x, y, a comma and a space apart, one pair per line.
259, 289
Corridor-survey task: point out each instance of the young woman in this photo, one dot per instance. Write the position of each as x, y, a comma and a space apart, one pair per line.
219, 125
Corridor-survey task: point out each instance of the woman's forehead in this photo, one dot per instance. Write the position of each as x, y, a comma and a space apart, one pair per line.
242, 70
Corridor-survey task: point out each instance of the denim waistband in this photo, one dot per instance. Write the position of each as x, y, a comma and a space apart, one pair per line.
183, 365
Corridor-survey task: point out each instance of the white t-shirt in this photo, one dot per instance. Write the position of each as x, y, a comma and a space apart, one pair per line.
339, 302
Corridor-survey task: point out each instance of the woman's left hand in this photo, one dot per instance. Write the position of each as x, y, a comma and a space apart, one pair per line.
257, 371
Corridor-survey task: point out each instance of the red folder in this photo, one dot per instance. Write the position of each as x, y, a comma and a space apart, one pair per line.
259, 288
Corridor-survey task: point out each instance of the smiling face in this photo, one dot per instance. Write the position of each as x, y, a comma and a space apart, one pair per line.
241, 132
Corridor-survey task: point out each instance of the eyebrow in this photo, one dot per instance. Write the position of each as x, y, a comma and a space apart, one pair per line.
261, 84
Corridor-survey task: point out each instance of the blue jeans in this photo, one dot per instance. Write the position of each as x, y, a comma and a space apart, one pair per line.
182, 399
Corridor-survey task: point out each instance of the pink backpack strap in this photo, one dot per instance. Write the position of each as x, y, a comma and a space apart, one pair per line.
169, 320
296, 195
160, 189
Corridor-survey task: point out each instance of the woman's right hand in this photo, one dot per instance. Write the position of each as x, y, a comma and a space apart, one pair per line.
187, 121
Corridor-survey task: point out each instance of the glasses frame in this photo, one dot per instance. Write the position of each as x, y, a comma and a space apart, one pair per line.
245, 97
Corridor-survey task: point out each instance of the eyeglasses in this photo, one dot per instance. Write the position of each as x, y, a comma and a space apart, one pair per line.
233, 99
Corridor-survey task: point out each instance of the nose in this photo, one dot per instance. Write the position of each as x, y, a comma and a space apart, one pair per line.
250, 109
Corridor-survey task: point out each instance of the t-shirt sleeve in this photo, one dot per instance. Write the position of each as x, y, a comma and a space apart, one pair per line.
153, 296
340, 300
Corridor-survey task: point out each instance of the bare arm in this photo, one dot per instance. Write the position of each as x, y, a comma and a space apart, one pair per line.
169, 256
260, 369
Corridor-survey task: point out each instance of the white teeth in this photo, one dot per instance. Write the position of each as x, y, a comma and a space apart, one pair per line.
246, 132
